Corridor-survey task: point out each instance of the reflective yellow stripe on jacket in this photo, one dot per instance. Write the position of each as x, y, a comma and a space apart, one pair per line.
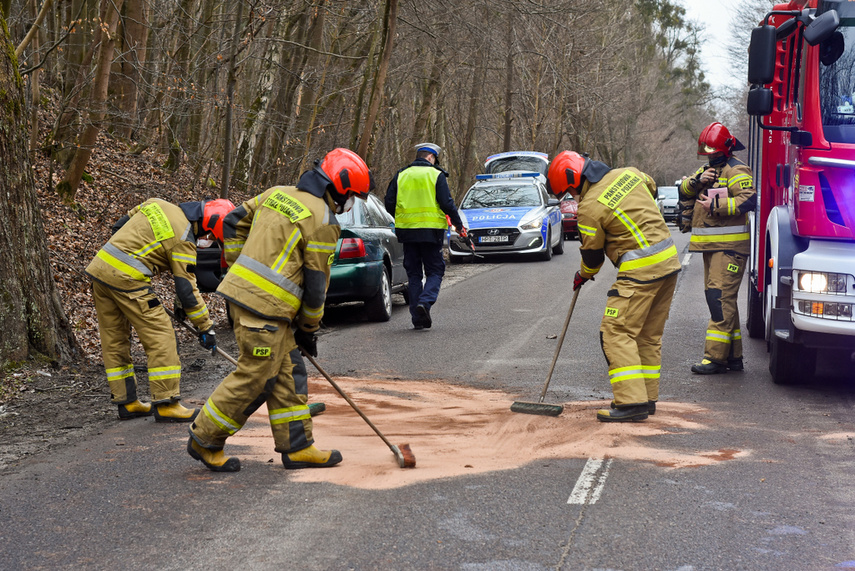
720, 234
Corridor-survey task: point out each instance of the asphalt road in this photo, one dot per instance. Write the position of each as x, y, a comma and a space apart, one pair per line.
775, 494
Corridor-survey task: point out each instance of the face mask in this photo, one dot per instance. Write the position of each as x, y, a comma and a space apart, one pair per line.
348, 204
718, 161
204, 243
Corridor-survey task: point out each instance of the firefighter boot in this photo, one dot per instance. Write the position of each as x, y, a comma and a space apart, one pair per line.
174, 412
214, 460
634, 413
310, 457
651, 407
707, 367
735, 364
134, 409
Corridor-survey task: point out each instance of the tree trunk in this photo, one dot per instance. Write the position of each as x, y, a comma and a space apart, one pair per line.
509, 84
68, 186
31, 316
230, 91
134, 55
467, 167
379, 86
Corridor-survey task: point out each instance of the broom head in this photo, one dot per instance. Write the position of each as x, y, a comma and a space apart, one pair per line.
537, 408
404, 456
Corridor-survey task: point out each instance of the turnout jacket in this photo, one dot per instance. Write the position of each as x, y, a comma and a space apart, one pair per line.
618, 218
419, 198
279, 246
156, 237
725, 226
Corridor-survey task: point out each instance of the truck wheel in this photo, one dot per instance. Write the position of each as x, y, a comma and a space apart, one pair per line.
790, 363
754, 323
379, 307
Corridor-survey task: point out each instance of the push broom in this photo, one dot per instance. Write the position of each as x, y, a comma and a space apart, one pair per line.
539, 407
403, 454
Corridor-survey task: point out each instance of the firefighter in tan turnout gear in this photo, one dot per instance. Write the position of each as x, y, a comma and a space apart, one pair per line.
279, 247
718, 197
618, 218
154, 237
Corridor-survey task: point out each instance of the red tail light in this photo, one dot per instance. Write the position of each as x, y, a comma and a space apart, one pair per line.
351, 248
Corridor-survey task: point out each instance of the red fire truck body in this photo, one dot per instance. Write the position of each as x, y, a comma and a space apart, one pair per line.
802, 152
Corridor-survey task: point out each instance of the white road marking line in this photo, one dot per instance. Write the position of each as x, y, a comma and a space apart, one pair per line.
591, 481
687, 258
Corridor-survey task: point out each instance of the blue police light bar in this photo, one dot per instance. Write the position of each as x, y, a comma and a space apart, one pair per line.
507, 175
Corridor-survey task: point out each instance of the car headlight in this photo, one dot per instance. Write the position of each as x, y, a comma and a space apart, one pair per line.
533, 225
822, 282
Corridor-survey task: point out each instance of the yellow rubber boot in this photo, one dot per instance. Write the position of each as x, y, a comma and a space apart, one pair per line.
310, 457
174, 412
134, 409
214, 460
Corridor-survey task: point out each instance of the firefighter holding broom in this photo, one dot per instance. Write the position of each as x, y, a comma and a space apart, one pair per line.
618, 218
279, 246
154, 237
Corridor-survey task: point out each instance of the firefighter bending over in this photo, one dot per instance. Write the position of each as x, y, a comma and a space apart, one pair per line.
618, 218
279, 246
155, 236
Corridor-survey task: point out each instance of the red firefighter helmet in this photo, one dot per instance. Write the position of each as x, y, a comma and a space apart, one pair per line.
715, 138
347, 172
213, 213
565, 172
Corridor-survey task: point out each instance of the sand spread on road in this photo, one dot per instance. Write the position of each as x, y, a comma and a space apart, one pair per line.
458, 431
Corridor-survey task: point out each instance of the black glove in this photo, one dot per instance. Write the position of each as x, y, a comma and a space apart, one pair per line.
208, 340
306, 341
578, 280
178, 310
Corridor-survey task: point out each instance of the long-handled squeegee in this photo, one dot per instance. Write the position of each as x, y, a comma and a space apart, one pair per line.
539, 407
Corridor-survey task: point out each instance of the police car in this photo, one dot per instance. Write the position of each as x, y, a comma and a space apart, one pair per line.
509, 212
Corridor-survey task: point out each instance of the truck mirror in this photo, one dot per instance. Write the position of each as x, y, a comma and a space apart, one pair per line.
822, 27
787, 28
801, 138
761, 55
760, 101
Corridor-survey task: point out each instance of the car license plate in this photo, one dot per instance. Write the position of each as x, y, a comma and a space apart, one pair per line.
493, 239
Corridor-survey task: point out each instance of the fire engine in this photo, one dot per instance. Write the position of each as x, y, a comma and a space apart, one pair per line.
802, 151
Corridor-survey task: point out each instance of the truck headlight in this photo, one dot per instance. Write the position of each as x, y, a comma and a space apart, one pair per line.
533, 225
822, 282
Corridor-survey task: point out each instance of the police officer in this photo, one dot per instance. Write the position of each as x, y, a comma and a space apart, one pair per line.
719, 197
279, 246
419, 199
618, 218
155, 236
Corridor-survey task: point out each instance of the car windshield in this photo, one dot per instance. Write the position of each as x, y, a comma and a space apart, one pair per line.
837, 83
501, 195
518, 163
667, 192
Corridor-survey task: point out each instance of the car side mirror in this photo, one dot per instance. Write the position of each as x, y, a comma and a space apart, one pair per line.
553, 202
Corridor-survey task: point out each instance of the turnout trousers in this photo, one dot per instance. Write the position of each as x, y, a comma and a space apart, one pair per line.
722, 277
270, 370
423, 261
631, 337
118, 311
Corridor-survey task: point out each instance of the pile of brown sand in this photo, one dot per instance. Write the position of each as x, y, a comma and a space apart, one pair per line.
456, 431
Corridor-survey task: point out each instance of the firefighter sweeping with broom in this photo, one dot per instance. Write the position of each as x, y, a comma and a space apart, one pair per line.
279, 247
618, 218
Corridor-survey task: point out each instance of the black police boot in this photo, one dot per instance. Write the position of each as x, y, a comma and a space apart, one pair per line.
423, 311
735, 364
635, 413
707, 367
651, 407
